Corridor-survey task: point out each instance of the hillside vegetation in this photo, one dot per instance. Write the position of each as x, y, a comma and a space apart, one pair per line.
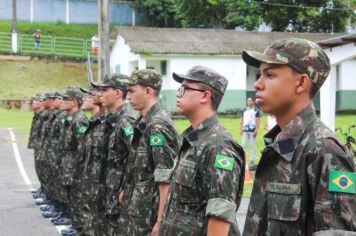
59, 29
23, 79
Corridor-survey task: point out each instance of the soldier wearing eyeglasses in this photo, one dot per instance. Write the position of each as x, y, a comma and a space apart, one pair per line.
207, 181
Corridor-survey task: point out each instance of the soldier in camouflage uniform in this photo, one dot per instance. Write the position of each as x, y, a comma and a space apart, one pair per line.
51, 102
305, 181
94, 145
75, 125
207, 181
154, 148
37, 107
118, 133
78, 214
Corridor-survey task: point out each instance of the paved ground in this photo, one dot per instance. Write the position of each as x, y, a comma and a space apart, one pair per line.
18, 213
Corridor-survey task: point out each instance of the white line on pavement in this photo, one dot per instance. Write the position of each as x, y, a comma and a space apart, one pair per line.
23, 171
18, 159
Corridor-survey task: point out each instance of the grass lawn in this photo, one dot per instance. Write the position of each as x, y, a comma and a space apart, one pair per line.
21, 122
59, 29
37, 77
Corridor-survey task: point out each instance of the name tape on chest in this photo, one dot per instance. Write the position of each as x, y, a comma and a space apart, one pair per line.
283, 188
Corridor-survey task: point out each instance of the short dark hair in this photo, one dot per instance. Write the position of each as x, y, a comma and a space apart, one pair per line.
314, 89
216, 96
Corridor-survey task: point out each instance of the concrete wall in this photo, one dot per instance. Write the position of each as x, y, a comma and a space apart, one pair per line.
79, 11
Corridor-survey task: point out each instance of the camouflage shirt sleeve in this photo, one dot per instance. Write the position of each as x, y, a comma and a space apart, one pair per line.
163, 145
221, 182
332, 210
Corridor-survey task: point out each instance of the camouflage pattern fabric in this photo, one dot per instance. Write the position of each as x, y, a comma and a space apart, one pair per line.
95, 146
204, 75
154, 148
146, 78
290, 194
207, 181
119, 130
302, 55
115, 81
33, 132
36, 129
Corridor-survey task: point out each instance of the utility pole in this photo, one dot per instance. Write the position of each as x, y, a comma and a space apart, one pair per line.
14, 30
104, 39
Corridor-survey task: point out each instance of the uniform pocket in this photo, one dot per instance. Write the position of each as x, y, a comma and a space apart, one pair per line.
284, 201
185, 173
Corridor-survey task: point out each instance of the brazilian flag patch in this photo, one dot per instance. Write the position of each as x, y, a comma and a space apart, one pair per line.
81, 129
224, 162
156, 140
128, 130
342, 182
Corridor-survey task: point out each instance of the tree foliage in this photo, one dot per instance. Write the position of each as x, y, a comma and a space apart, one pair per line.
280, 15
243, 14
159, 13
306, 15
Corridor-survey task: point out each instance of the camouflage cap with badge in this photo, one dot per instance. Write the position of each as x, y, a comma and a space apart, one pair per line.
72, 92
204, 75
302, 55
116, 81
146, 78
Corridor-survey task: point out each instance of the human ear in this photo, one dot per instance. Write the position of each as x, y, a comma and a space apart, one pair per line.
303, 84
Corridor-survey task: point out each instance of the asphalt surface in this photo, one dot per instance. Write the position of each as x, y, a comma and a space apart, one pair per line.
19, 215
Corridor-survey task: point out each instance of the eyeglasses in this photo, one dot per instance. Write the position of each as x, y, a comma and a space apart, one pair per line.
182, 89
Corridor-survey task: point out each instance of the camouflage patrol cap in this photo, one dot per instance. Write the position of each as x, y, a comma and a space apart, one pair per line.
116, 81
38, 97
302, 55
204, 75
146, 78
73, 93
89, 91
52, 95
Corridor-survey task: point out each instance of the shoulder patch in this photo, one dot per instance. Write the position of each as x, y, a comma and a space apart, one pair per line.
224, 162
81, 129
342, 182
128, 130
156, 140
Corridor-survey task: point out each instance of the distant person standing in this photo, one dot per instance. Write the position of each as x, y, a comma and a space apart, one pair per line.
270, 122
95, 44
249, 124
37, 36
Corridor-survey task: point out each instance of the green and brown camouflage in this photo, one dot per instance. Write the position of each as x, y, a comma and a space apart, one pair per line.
116, 81
302, 55
204, 75
146, 78
74, 128
201, 187
290, 194
154, 148
114, 164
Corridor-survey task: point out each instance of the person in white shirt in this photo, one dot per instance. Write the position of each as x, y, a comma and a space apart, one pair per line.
250, 122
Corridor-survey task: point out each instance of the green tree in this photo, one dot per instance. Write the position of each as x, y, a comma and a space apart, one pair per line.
242, 13
158, 13
200, 13
306, 15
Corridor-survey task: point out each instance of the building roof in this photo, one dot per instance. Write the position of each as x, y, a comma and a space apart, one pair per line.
338, 41
145, 40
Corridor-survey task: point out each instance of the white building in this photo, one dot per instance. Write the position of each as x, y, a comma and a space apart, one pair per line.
177, 50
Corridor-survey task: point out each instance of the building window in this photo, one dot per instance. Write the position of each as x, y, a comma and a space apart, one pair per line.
117, 69
163, 67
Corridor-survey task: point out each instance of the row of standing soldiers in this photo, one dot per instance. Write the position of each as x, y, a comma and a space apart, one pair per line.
109, 174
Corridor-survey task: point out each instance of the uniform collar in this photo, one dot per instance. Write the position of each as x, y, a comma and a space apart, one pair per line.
153, 109
284, 141
193, 135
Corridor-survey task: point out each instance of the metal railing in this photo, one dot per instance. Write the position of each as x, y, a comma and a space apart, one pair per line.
60, 46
